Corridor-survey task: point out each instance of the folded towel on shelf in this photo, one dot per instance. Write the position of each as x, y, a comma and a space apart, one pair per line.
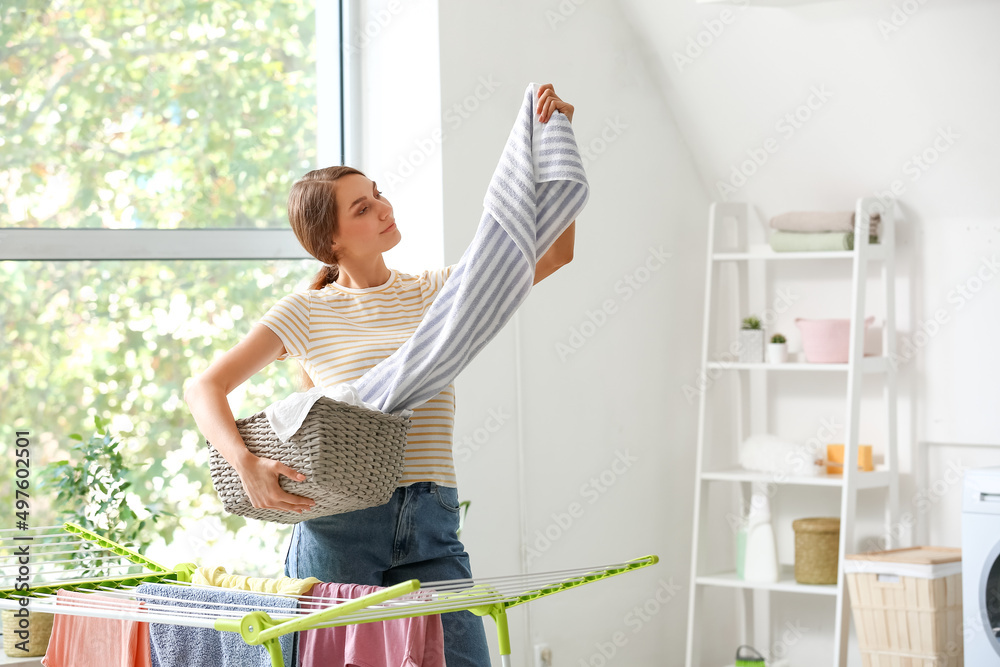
89, 641
771, 454
217, 576
820, 221
396, 643
186, 646
813, 242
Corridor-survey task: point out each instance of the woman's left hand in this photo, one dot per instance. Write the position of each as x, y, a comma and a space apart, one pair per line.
549, 103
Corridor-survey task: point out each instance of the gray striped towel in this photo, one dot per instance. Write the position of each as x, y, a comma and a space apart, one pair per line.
537, 190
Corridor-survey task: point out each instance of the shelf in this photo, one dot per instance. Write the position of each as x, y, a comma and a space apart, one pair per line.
875, 251
863, 480
24, 662
742, 270
786, 583
868, 365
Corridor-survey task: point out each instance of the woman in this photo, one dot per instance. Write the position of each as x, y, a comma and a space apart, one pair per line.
356, 313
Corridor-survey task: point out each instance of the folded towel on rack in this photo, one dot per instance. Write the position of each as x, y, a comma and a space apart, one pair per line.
217, 576
813, 242
187, 646
89, 641
400, 642
820, 221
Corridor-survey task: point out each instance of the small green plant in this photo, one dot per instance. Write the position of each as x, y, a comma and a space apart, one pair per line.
92, 488
751, 323
778, 338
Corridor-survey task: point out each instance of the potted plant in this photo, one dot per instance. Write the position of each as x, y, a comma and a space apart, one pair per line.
777, 349
92, 488
751, 341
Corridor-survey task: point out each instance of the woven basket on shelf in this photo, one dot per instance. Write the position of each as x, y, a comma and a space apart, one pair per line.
352, 458
817, 550
39, 629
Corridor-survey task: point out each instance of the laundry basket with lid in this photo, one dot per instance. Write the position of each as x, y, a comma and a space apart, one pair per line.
907, 606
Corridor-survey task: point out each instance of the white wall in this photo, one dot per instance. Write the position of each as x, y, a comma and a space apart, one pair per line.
897, 84
886, 87
901, 107
591, 370
401, 121
902, 102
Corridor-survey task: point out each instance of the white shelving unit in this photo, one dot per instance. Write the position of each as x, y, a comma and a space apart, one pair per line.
734, 241
23, 662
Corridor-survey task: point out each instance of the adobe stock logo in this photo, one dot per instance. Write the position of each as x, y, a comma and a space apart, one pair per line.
787, 126
626, 288
592, 490
901, 15
468, 445
425, 147
372, 28
596, 147
698, 44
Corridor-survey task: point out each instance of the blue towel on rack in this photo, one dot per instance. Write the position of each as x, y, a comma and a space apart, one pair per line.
537, 190
186, 646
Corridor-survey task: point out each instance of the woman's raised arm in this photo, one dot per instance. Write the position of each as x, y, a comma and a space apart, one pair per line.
560, 253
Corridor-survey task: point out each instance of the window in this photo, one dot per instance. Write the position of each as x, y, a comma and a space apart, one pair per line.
146, 155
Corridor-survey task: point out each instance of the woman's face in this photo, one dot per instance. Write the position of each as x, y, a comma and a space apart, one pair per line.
366, 223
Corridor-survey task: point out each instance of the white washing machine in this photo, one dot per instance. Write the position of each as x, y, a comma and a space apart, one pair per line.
981, 567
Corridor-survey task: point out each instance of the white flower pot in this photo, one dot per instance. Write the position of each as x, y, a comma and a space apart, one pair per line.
777, 353
751, 346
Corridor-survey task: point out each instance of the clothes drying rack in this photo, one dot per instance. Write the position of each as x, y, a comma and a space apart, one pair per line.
70, 557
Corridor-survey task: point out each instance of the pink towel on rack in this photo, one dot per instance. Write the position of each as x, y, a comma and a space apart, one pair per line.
403, 642
88, 641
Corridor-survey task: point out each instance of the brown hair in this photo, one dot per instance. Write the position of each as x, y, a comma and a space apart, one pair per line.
312, 212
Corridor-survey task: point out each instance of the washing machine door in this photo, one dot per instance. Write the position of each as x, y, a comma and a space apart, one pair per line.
989, 597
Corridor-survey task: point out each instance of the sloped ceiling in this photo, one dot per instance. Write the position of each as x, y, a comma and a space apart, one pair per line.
811, 105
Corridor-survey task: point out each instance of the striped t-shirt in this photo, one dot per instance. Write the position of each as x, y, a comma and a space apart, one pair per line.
338, 333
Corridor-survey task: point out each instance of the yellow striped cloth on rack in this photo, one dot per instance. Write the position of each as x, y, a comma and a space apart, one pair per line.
217, 576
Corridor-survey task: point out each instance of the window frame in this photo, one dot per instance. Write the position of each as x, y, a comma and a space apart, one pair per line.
338, 142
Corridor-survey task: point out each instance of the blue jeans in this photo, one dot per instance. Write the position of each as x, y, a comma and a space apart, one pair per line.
413, 536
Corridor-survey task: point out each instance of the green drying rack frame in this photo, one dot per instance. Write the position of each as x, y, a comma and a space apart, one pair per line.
156, 573
258, 628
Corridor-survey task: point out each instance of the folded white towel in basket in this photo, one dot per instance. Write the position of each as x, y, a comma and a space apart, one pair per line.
287, 415
537, 190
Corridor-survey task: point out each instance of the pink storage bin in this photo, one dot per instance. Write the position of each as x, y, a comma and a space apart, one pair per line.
827, 341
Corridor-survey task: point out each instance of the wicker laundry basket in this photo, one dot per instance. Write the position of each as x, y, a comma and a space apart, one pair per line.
907, 606
39, 629
352, 458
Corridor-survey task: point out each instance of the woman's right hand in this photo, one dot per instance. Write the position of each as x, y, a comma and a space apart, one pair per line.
260, 481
